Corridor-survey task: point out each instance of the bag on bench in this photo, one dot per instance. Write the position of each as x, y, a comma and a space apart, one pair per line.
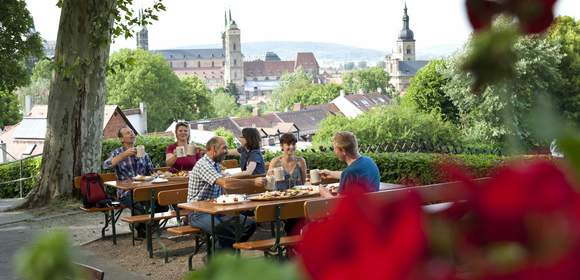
93, 191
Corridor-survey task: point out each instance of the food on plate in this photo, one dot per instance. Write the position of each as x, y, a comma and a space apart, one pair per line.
181, 173
333, 188
230, 198
142, 178
289, 193
307, 188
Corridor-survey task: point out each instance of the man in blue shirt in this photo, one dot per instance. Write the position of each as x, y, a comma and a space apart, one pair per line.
361, 170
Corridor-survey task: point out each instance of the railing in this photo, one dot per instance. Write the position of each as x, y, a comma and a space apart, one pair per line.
20, 178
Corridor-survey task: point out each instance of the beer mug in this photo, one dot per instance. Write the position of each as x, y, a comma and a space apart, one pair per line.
190, 149
279, 174
140, 151
315, 176
270, 183
180, 151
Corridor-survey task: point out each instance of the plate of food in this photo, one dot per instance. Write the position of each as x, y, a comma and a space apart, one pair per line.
308, 188
142, 178
333, 188
159, 180
180, 175
278, 195
226, 199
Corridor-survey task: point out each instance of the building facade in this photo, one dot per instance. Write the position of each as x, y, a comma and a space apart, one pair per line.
402, 65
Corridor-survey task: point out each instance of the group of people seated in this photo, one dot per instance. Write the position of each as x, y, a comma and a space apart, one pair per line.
206, 180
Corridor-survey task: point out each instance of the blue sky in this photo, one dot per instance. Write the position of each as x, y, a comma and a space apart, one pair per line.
361, 23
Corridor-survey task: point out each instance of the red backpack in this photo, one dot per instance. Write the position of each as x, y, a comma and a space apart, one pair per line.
92, 190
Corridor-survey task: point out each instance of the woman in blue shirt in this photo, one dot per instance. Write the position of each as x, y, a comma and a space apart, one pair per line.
251, 159
294, 167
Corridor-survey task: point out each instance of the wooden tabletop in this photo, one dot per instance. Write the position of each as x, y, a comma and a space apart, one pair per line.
215, 208
145, 184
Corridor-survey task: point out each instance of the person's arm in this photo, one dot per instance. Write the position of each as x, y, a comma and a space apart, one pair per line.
233, 152
324, 192
170, 159
328, 174
250, 167
303, 167
273, 164
230, 183
149, 165
113, 160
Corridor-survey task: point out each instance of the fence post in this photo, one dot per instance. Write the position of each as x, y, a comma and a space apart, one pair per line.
20, 182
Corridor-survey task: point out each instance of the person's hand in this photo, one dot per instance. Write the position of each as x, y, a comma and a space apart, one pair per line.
325, 174
260, 181
130, 152
324, 192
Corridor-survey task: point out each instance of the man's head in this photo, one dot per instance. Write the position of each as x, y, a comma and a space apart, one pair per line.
217, 148
126, 135
345, 145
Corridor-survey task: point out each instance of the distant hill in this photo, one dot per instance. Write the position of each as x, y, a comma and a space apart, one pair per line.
327, 54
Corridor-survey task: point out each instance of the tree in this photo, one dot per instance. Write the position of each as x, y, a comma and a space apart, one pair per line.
565, 32
198, 96
381, 64
39, 87
224, 105
9, 109
315, 94
388, 124
426, 92
18, 42
349, 66
501, 111
291, 85
149, 79
77, 99
227, 135
367, 80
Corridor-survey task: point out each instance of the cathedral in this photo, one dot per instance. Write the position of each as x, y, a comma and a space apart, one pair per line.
401, 65
225, 67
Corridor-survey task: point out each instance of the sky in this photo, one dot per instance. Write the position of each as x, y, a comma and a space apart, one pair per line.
372, 24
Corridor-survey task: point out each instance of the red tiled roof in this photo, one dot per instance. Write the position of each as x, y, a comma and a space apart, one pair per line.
329, 107
267, 68
306, 60
268, 120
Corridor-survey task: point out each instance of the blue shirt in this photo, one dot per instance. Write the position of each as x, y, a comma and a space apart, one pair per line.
361, 171
129, 167
248, 156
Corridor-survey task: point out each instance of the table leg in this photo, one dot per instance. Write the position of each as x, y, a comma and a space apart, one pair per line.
150, 223
113, 222
213, 237
237, 231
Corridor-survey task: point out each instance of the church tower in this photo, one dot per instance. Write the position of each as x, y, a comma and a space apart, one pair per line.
142, 36
405, 49
234, 61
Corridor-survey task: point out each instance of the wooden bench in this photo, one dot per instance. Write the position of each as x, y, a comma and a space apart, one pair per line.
111, 213
173, 197
88, 272
275, 213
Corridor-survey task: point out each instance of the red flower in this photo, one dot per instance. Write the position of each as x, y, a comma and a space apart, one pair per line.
365, 239
535, 16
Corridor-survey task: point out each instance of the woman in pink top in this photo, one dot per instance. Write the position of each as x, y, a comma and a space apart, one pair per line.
181, 163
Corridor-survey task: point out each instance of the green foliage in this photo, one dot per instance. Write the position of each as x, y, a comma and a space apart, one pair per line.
228, 135
223, 104
11, 171
291, 85
388, 124
19, 42
501, 111
426, 92
565, 32
368, 80
48, 258
149, 79
42, 70
225, 267
198, 97
154, 146
9, 109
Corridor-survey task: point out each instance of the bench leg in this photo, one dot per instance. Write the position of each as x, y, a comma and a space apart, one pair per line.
106, 224
113, 222
149, 240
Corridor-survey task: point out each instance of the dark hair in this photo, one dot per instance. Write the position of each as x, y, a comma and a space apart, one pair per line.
252, 137
119, 133
288, 138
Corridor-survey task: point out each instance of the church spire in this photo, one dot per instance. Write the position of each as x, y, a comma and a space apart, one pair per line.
230, 15
226, 19
406, 34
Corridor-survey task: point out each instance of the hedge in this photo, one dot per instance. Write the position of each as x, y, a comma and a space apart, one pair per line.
11, 171
421, 168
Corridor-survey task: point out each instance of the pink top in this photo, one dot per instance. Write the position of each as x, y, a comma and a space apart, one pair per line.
183, 163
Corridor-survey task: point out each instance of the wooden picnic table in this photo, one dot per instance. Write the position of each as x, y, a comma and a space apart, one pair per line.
153, 189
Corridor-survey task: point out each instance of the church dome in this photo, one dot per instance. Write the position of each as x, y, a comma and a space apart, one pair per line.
406, 34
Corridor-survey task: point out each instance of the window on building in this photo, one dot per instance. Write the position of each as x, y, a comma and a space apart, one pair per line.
170, 64
199, 64
235, 75
184, 64
267, 78
408, 50
224, 63
235, 62
212, 64
234, 46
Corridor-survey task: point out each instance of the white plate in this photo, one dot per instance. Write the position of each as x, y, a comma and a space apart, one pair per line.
221, 198
159, 180
142, 178
307, 188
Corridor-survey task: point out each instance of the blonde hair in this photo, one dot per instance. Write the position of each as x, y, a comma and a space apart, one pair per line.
346, 141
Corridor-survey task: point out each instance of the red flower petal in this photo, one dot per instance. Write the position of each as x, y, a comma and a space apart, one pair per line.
481, 13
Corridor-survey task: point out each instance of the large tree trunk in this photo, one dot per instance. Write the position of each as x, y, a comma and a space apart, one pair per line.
77, 95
